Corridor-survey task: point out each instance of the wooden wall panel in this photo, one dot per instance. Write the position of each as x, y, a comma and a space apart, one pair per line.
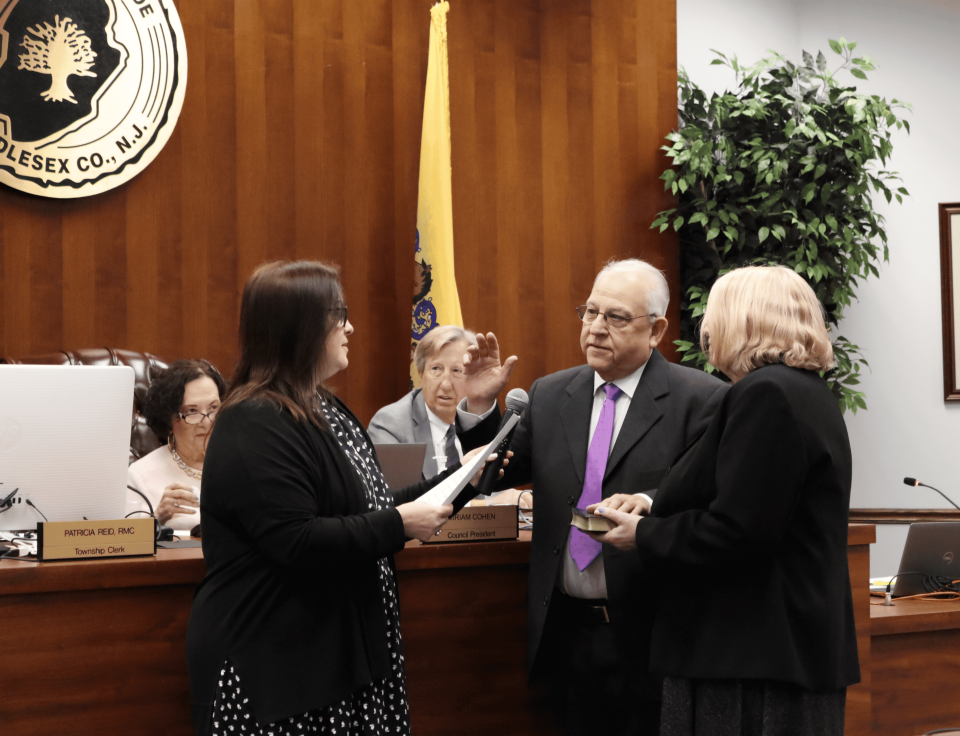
300, 138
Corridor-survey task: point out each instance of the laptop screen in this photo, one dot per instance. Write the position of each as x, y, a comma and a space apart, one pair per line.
402, 464
932, 548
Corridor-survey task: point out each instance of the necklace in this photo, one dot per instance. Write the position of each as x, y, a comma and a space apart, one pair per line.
198, 474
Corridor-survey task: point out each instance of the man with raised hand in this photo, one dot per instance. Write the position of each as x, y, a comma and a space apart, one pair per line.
607, 430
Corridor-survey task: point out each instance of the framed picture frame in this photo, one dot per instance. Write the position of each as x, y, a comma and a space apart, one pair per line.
950, 297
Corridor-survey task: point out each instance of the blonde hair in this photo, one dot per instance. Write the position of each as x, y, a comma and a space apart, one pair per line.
437, 339
758, 315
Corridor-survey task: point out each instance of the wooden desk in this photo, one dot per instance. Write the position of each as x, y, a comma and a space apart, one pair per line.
98, 646
915, 651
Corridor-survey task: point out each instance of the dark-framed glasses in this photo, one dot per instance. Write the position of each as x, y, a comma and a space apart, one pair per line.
198, 416
342, 311
613, 320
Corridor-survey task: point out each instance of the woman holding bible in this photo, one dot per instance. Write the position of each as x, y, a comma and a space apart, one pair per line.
295, 627
747, 534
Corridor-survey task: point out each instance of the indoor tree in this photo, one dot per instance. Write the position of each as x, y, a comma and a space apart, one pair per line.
783, 170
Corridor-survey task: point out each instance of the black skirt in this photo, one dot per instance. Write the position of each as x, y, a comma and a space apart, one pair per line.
749, 708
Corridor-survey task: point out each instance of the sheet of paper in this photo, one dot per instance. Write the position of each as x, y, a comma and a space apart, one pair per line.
445, 492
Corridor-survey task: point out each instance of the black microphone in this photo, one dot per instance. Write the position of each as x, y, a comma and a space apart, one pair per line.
914, 482
164, 533
139, 493
516, 402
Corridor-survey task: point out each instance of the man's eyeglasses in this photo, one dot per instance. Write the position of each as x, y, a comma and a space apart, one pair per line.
197, 416
615, 321
343, 314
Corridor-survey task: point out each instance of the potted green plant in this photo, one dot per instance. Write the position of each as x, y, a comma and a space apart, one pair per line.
781, 171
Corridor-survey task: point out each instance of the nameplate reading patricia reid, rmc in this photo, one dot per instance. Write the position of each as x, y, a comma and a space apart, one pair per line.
480, 524
85, 540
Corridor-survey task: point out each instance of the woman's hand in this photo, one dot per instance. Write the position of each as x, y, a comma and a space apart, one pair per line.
476, 476
624, 535
422, 520
178, 498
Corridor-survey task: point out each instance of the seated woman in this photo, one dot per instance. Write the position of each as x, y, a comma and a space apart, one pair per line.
429, 414
181, 407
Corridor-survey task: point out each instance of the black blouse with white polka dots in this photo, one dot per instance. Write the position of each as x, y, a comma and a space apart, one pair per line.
378, 708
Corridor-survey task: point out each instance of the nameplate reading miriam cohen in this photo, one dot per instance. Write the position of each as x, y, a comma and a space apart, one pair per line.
480, 524
88, 540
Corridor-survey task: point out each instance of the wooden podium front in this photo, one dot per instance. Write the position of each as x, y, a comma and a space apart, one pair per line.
97, 647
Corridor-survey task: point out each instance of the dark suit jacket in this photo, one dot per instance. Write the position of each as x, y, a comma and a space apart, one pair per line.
671, 406
291, 595
406, 421
749, 531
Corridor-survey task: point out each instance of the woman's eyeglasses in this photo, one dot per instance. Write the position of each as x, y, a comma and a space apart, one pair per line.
343, 314
198, 416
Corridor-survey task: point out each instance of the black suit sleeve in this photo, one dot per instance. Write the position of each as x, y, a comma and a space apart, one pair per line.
482, 433
761, 466
695, 428
517, 472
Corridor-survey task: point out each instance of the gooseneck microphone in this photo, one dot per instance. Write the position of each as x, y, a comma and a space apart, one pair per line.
516, 402
914, 482
139, 493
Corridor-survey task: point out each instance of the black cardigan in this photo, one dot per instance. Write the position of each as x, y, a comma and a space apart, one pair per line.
748, 535
291, 596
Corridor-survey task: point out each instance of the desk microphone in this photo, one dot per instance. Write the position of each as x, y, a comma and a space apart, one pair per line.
914, 482
516, 402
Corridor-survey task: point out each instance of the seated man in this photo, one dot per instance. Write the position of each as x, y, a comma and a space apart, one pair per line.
429, 414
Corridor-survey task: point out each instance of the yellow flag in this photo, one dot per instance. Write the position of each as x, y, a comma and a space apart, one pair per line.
435, 298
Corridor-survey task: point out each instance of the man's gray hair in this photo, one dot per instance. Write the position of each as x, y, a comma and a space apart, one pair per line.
437, 339
658, 293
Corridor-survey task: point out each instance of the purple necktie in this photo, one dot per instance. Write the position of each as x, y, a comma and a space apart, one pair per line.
583, 548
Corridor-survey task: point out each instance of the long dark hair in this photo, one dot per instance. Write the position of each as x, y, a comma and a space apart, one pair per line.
285, 318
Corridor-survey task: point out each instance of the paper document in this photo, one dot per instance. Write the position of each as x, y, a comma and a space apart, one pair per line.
444, 493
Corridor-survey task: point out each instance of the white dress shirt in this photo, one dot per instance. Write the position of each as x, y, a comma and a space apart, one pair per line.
438, 432
592, 581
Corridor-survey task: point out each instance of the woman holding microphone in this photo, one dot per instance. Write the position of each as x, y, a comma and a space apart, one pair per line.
295, 627
748, 531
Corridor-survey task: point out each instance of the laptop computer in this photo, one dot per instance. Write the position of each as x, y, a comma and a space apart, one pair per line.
932, 548
402, 464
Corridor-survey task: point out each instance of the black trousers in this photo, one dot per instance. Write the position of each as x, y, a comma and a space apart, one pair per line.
597, 684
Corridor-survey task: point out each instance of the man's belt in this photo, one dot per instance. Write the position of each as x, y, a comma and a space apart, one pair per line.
589, 610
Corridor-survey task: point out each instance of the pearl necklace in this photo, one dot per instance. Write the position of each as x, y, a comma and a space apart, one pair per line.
198, 474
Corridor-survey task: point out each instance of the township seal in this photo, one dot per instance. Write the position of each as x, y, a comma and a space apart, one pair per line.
90, 91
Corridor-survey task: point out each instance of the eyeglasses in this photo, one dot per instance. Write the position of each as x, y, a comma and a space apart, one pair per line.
343, 314
616, 321
197, 416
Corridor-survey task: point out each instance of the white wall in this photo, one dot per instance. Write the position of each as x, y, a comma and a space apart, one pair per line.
748, 29
908, 430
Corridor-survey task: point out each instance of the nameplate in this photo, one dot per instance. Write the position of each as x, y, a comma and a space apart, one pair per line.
86, 540
480, 524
